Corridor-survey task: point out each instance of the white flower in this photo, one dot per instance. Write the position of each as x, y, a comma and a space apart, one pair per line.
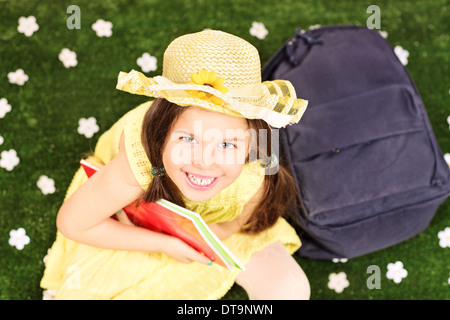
396, 272
258, 30
444, 238
341, 260
9, 159
68, 58
338, 282
147, 62
384, 34
18, 77
49, 294
1, 140
448, 121
5, 107
401, 54
46, 185
87, 127
18, 238
447, 158
314, 26
102, 28
27, 26
45, 259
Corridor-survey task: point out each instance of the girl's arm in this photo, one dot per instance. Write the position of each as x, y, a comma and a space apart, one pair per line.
86, 216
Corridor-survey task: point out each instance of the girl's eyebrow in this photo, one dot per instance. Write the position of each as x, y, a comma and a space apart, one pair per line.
182, 131
235, 138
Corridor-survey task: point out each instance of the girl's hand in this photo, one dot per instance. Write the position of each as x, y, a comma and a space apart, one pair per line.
181, 251
122, 217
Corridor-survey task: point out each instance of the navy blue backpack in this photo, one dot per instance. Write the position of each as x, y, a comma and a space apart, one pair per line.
366, 162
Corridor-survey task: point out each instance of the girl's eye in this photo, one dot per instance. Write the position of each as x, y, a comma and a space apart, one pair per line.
188, 139
227, 145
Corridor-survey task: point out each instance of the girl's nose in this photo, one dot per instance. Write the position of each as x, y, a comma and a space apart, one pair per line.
205, 156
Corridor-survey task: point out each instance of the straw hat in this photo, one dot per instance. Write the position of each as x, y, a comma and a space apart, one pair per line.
220, 72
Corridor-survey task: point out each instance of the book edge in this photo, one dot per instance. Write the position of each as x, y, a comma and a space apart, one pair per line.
220, 245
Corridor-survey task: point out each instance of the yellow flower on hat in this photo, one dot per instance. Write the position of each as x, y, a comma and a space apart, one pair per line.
208, 78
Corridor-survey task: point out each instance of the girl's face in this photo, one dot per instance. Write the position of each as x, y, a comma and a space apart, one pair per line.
205, 152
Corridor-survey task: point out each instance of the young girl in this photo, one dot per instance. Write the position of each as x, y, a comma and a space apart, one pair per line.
199, 144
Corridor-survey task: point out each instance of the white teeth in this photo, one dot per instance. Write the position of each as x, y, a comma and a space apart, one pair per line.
200, 181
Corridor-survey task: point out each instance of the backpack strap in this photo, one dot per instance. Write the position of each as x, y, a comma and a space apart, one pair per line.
287, 52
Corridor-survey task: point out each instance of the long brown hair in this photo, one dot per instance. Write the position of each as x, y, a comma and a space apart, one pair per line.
279, 189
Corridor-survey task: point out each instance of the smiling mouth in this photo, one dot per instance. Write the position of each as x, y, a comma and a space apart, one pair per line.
200, 182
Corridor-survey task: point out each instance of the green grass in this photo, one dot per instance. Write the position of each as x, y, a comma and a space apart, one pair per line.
42, 126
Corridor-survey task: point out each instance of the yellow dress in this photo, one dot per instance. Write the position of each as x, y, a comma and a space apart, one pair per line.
79, 271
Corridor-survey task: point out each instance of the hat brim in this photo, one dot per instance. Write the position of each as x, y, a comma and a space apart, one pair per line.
272, 101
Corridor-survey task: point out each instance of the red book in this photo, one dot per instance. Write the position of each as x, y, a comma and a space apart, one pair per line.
166, 217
